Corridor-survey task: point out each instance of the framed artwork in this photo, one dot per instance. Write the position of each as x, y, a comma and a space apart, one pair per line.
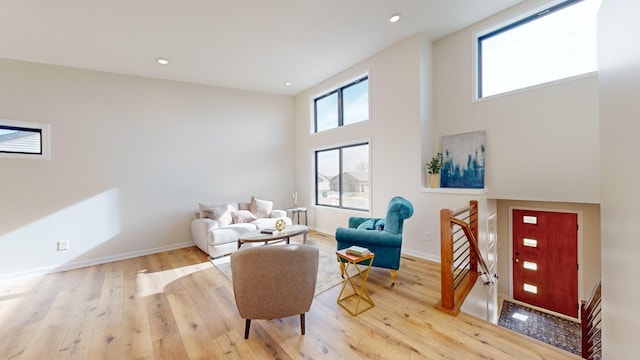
463, 157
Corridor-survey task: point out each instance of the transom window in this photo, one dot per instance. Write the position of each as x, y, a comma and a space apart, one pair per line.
346, 105
555, 43
342, 177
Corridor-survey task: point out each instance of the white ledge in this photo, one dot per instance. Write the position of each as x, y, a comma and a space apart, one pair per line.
464, 191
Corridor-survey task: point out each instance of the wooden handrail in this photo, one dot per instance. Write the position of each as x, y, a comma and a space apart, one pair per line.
459, 257
590, 315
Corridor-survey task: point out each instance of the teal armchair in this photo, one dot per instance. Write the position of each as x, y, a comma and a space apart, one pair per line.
382, 236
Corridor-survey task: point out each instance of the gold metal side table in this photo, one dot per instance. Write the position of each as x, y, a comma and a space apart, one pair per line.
363, 265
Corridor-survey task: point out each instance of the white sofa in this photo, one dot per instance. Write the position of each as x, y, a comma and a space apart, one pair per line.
216, 228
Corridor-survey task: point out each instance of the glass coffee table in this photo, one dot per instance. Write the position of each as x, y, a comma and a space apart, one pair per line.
283, 235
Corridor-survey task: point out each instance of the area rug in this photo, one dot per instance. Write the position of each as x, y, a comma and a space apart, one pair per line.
553, 330
328, 270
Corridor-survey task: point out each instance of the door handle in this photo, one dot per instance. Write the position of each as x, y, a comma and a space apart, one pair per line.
517, 259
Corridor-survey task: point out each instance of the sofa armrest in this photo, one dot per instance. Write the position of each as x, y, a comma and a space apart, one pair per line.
367, 238
199, 231
278, 213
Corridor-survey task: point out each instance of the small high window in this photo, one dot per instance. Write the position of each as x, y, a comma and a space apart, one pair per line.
555, 43
346, 105
19, 139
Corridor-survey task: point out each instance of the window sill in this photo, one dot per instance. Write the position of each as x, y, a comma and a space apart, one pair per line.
462, 191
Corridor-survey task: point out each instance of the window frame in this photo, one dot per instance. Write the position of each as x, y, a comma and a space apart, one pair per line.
339, 91
510, 26
42, 129
340, 172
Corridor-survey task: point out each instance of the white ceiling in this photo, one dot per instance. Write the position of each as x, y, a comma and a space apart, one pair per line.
245, 44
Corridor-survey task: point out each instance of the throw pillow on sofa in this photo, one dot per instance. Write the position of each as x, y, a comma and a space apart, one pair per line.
260, 208
206, 206
221, 213
242, 216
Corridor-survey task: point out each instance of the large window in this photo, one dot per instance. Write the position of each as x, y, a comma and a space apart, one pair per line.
342, 177
19, 139
555, 43
343, 106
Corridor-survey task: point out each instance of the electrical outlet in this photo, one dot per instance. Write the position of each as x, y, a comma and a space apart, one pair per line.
63, 245
427, 236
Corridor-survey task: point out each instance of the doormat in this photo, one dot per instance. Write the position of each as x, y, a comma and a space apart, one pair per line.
553, 330
328, 270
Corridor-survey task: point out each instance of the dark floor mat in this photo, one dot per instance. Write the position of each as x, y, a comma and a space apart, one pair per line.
553, 330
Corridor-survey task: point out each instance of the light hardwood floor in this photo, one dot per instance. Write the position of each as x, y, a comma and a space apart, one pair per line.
177, 305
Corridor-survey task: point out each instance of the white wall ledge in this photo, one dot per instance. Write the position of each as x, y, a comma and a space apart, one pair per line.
463, 191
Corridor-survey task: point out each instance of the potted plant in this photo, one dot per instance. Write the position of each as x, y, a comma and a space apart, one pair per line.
433, 167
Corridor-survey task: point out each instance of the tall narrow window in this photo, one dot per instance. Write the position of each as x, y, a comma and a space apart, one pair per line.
344, 106
342, 177
555, 43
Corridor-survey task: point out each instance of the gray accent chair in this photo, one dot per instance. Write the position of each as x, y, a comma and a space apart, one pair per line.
274, 281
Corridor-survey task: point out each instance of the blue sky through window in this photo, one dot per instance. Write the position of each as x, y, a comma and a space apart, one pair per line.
356, 102
355, 106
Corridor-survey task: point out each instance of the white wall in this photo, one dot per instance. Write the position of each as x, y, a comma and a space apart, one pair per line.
400, 136
542, 144
394, 80
619, 62
131, 159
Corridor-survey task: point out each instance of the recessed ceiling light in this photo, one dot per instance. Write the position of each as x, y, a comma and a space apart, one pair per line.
162, 61
287, 83
394, 18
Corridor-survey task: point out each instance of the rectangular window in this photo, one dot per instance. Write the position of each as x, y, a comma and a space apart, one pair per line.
20, 139
555, 43
344, 106
342, 177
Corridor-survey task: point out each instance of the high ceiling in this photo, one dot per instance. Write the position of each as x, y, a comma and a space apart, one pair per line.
245, 44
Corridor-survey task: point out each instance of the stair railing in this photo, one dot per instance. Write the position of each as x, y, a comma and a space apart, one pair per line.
459, 256
591, 318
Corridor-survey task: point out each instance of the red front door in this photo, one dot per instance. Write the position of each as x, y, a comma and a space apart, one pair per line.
545, 260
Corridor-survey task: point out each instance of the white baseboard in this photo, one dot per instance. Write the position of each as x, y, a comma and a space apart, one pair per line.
91, 262
422, 255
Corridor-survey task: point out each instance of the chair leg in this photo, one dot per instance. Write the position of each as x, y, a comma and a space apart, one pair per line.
247, 326
394, 275
342, 269
302, 323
